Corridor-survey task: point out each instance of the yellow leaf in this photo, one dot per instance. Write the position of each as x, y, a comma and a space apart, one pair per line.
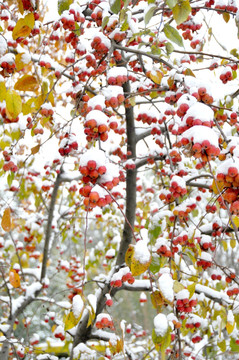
20, 6
235, 220
51, 99
91, 318
230, 327
20, 64
138, 268
191, 289
156, 76
177, 286
23, 27
6, 220
35, 149
14, 278
3, 91
27, 83
13, 104
217, 186
70, 321
32, 105
128, 255
157, 299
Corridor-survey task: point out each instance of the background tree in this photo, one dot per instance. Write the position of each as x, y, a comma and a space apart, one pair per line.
119, 180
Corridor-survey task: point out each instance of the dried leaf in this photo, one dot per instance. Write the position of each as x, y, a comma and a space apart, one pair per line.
14, 278
27, 83
6, 220
35, 149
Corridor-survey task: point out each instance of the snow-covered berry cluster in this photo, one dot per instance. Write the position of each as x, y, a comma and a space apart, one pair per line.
122, 275
68, 144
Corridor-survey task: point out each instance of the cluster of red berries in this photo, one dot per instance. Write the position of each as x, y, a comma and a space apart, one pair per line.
10, 166
226, 75
205, 261
177, 187
78, 16
175, 157
27, 5
229, 180
91, 171
113, 96
180, 240
216, 276
96, 126
164, 250
46, 110
121, 276
95, 196
189, 24
191, 324
202, 95
232, 290
231, 8
45, 64
101, 46
68, 144
196, 339
104, 321
8, 64
118, 80
68, 21
59, 333
171, 97
147, 118
205, 243
183, 210
204, 151
183, 303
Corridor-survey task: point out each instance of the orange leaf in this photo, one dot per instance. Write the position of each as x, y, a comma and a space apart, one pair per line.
6, 220
14, 278
27, 83
20, 6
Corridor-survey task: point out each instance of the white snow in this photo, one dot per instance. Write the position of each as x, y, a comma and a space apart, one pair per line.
160, 324
165, 284
141, 252
77, 306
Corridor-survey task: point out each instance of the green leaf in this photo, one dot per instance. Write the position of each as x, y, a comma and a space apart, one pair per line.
173, 35
233, 345
63, 5
171, 3
222, 345
181, 11
115, 6
149, 14
105, 21
10, 178
125, 25
169, 48
154, 233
